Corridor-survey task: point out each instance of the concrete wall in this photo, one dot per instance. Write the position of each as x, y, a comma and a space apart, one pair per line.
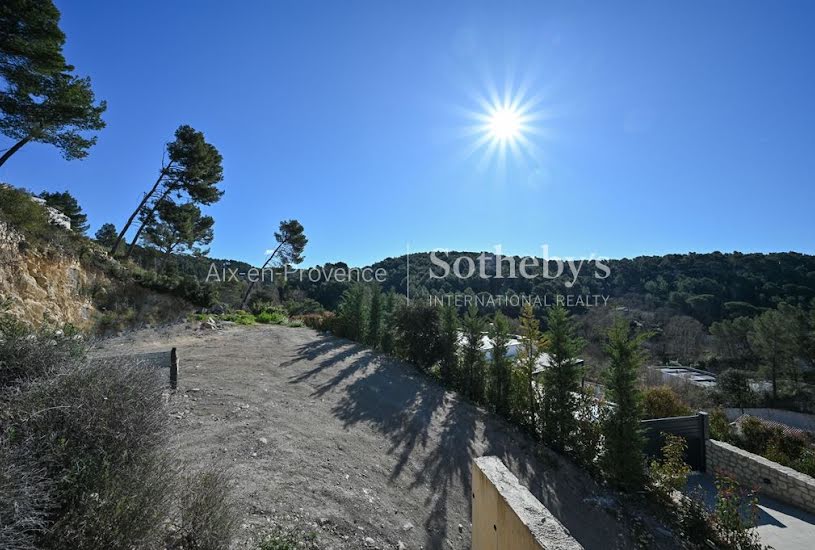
770, 478
507, 516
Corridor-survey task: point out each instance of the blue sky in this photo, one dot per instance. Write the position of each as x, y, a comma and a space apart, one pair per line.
663, 127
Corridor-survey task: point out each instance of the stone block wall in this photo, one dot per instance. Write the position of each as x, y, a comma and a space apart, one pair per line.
768, 477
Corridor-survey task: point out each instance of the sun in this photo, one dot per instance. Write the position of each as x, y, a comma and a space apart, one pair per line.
505, 124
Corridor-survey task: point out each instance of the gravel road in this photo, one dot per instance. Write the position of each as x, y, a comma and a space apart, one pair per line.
359, 448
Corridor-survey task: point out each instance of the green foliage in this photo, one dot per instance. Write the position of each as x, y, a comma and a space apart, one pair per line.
734, 387
526, 399
500, 367
68, 205
417, 330
561, 381
106, 235
387, 340
23, 214
588, 440
240, 317
623, 460
178, 228
663, 402
720, 429
733, 530
731, 340
31, 42
448, 347
291, 242
352, 314
671, 472
373, 334
788, 449
773, 339
473, 379
192, 174
272, 317
57, 110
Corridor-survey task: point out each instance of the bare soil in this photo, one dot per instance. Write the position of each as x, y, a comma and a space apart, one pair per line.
356, 447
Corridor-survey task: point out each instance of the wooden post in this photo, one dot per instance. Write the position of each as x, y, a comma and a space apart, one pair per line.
173, 368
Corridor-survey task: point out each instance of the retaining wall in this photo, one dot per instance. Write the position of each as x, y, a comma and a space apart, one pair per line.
768, 477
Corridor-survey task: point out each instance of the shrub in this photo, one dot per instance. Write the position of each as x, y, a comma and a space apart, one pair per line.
306, 306
24, 496
272, 318
27, 354
720, 427
663, 402
732, 529
98, 433
207, 520
417, 329
671, 472
83, 452
23, 214
318, 321
240, 317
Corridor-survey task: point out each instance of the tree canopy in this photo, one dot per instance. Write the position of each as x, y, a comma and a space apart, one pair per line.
41, 99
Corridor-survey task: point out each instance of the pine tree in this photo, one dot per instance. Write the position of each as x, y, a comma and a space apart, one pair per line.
68, 205
41, 100
472, 357
388, 307
623, 460
449, 346
532, 345
353, 312
500, 366
193, 169
106, 234
561, 381
374, 333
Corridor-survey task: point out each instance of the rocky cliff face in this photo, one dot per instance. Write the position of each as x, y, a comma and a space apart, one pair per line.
51, 286
39, 287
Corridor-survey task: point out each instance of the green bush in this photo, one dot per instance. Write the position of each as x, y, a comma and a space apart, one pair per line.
671, 472
23, 214
720, 429
240, 317
792, 450
274, 317
418, 334
663, 402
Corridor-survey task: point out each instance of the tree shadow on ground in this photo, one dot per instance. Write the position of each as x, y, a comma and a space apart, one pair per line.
413, 411
314, 349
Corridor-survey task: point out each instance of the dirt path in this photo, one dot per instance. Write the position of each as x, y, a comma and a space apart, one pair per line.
355, 446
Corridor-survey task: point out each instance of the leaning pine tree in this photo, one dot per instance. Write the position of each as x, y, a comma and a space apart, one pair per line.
623, 461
